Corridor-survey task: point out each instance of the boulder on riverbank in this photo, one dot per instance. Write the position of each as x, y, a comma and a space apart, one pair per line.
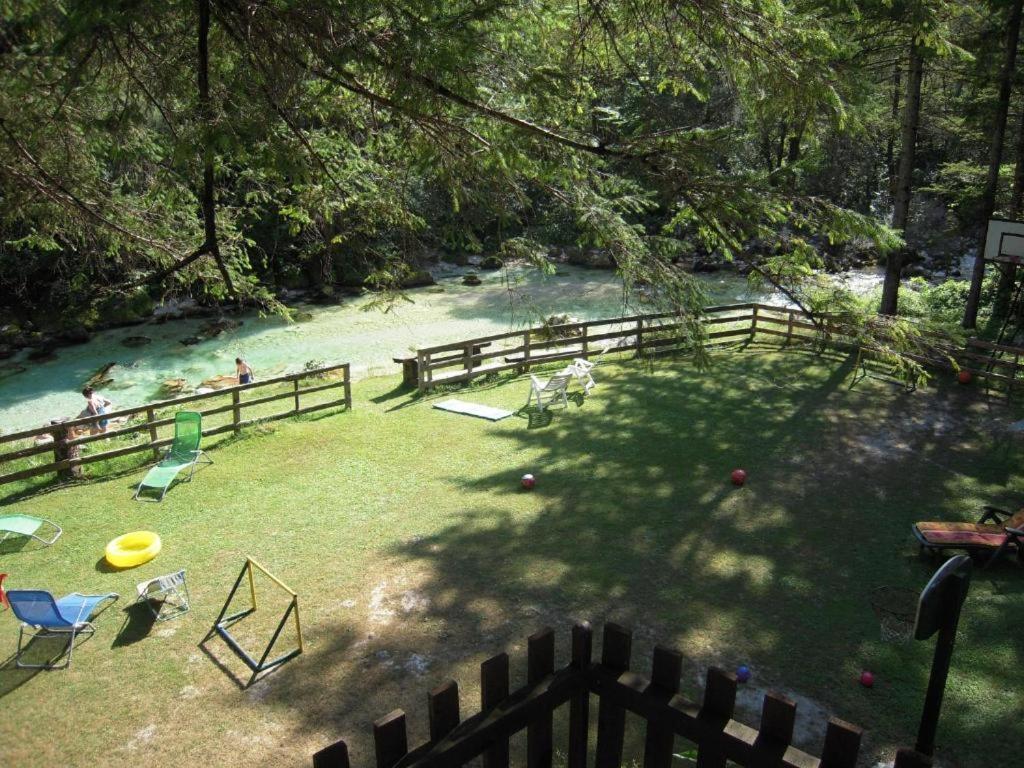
419, 278
102, 377
172, 388
215, 328
220, 382
472, 279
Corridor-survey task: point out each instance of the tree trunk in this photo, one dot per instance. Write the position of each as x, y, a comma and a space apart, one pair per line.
995, 157
1008, 276
904, 178
207, 199
793, 151
890, 153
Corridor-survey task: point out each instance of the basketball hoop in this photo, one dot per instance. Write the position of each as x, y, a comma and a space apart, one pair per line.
896, 609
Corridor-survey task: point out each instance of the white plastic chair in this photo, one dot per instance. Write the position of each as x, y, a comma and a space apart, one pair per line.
549, 391
581, 371
170, 590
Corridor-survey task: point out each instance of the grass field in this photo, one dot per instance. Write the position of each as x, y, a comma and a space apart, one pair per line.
416, 555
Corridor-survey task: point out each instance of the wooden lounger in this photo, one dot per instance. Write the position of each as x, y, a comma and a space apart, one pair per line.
997, 531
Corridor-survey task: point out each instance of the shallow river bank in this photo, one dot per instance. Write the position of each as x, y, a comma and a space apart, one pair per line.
352, 331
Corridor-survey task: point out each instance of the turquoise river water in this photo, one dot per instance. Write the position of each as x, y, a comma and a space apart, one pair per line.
31, 393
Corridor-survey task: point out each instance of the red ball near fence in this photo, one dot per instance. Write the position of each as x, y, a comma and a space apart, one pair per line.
528, 482
867, 679
739, 477
964, 377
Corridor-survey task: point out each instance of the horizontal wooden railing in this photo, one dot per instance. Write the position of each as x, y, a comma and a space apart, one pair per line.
518, 350
465, 360
719, 739
66, 443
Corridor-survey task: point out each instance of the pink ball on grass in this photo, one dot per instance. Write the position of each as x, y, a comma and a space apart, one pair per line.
528, 482
867, 679
739, 477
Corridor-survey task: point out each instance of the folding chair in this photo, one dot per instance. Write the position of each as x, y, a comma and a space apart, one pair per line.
580, 370
68, 617
27, 525
184, 453
549, 391
169, 590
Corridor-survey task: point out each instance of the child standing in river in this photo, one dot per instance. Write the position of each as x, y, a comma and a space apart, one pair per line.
97, 405
243, 371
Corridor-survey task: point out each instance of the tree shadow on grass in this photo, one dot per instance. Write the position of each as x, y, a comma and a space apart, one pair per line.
637, 523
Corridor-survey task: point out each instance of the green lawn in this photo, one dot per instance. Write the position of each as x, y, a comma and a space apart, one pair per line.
416, 555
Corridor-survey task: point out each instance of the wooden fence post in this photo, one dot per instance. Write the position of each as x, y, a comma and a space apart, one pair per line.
778, 716
334, 756
611, 718
579, 704
717, 709
586, 340
493, 691
526, 352
389, 738
789, 327
753, 324
295, 387
467, 359
540, 663
421, 376
842, 744
151, 417
347, 368
660, 739
639, 336
236, 410
64, 452
443, 710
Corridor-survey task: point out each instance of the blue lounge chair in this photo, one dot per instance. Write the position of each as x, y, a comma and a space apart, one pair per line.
68, 617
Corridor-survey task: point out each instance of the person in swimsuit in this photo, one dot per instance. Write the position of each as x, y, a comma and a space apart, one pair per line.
97, 405
243, 371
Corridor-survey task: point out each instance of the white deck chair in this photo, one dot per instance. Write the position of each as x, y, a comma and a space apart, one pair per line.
170, 590
549, 391
581, 367
580, 370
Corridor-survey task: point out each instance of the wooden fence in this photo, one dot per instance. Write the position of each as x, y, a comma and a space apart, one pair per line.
518, 350
66, 443
719, 739
658, 333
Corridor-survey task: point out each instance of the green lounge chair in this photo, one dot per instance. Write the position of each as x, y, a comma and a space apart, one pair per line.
26, 525
184, 453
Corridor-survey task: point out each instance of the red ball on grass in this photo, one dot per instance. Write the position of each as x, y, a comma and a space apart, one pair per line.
964, 377
739, 477
867, 679
528, 482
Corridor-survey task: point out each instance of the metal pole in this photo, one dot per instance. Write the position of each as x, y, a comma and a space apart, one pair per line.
937, 680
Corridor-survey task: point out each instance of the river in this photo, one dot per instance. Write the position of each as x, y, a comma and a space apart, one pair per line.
353, 331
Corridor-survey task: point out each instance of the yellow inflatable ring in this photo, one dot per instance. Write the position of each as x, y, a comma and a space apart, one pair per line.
133, 549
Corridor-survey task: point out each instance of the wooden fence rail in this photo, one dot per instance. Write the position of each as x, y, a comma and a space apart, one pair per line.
66, 442
710, 726
657, 333
518, 350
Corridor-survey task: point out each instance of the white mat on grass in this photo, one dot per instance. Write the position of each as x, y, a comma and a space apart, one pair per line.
474, 409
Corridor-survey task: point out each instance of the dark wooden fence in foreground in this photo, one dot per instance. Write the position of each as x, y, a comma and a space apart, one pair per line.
661, 333
718, 738
65, 444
